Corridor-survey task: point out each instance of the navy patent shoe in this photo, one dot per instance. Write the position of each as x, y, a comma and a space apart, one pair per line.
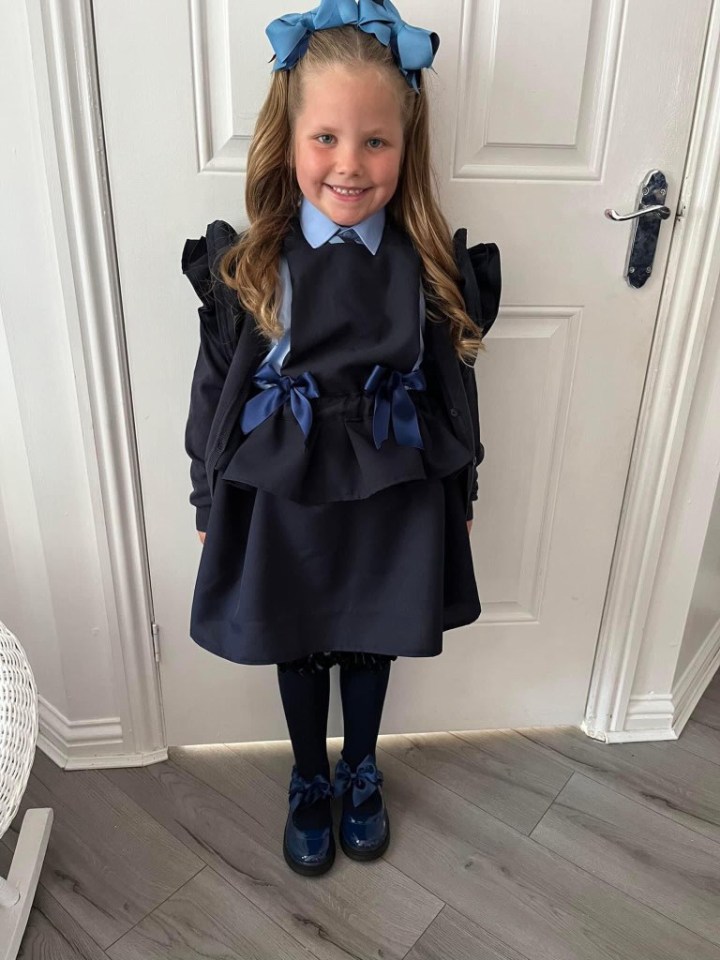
362, 836
312, 851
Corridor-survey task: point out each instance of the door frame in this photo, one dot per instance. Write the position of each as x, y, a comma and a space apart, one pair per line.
62, 38
674, 469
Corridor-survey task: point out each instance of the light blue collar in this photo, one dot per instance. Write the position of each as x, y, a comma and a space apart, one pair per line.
318, 228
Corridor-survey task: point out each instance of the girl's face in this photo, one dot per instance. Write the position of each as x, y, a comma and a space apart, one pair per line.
348, 134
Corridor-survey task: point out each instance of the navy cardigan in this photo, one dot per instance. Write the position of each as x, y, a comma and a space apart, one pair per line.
232, 348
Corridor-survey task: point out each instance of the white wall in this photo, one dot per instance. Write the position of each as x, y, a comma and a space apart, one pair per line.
51, 592
704, 616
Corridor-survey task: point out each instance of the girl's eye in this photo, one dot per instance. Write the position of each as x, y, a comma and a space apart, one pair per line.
326, 138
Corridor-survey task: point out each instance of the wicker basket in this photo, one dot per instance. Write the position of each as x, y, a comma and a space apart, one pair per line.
18, 725
18, 737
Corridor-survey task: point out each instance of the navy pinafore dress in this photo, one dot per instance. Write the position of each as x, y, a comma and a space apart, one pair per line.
325, 541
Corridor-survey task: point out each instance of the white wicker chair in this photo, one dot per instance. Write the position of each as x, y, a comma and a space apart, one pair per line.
18, 736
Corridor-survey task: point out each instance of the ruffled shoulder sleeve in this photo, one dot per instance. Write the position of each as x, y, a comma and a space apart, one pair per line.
482, 278
222, 313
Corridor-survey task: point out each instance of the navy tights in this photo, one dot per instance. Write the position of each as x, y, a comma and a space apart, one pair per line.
305, 699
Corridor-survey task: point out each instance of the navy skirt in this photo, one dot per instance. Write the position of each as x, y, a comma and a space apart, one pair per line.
282, 582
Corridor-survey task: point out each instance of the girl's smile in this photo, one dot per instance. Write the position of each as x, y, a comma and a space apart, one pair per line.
348, 142
347, 194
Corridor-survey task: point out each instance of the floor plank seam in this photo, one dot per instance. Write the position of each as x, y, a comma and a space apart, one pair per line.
209, 786
653, 809
596, 778
419, 938
54, 926
624, 893
156, 907
694, 753
444, 786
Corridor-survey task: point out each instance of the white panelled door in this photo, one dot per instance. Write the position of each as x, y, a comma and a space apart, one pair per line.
545, 115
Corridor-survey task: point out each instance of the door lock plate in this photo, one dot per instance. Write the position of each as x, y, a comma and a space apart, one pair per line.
646, 219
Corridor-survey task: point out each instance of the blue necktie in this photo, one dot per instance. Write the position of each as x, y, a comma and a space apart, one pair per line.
349, 235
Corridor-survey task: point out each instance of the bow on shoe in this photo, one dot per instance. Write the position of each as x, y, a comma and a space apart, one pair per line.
390, 388
413, 47
276, 391
366, 779
306, 792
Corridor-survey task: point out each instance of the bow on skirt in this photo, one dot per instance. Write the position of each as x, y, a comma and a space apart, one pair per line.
276, 391
388, 386
391, 400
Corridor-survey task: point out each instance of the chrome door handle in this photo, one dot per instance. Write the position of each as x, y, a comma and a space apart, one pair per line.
646, 222
659, 208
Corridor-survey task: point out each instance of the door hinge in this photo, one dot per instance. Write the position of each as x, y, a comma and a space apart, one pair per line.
156, 641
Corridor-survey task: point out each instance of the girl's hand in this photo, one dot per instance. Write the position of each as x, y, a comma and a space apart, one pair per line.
201, 534
469, 525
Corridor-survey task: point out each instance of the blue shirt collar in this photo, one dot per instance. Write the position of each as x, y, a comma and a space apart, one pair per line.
318, 228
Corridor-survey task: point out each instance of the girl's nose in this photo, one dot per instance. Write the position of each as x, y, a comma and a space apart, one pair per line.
349, 162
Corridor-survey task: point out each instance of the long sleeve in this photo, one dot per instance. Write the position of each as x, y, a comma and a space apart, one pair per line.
480, 267
470, 384
213, 359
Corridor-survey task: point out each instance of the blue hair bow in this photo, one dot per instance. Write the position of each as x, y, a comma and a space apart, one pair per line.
413, 47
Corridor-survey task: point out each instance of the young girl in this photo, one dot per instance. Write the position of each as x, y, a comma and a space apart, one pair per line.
333, 427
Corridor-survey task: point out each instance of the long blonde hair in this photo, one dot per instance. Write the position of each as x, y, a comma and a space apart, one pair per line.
273, 197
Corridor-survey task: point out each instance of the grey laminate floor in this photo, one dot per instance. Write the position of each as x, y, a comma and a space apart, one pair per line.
532, 844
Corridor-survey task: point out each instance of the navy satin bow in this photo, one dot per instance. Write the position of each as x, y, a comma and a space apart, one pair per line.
390, 388
306, 792
275, 392
366, 779
413, 47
